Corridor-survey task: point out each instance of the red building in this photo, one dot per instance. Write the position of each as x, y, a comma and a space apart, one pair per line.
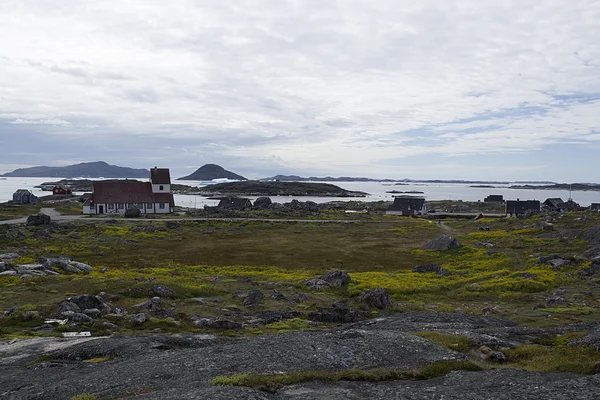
61, 189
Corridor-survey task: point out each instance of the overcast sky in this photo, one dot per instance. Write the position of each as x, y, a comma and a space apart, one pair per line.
462, 89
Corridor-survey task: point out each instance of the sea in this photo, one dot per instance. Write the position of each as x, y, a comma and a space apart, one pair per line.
377, 191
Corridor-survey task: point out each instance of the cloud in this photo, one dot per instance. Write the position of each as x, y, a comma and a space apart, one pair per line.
330, 87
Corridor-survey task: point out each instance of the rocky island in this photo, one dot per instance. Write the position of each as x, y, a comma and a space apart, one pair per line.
210, 172
262, 188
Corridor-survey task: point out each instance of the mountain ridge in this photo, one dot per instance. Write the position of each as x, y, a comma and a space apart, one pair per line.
94, 169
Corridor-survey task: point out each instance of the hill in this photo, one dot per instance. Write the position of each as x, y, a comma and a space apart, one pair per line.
259, 188
97, 169
209, 172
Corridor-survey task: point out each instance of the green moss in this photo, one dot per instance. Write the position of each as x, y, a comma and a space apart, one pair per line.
453, 342
98, 360
559, 358
84, 396
293, 324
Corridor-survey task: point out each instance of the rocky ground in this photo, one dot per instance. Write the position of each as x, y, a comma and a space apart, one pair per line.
182, 366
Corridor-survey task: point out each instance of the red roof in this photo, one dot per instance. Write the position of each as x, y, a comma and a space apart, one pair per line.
127, 192
160, 176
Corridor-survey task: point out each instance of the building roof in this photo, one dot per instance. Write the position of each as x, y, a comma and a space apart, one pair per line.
127, 192
520, 206
160, 176
556, 202
413, 202
22, 191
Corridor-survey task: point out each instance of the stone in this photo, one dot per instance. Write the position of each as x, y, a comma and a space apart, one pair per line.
45, 328
262, 203
221, 324
10, 272
300, 297
8, 256
316, 283
151, 305
92, 312
28, 268
437, 269
485, 353
277, 295
86, 301
80, 317
132, 212
377, 298
339, 313
66, 306
39, 220
81, 266
163, 291
56, 262
3, 266
139, 319
336, 278
253, 297
110, 325
442, 243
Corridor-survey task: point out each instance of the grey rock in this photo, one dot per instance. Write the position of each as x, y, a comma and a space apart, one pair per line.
377, 298
151, 305
337, 314
592, 338
442, 243
38, 220
65, 306
8, 257
139, 319
86, 301
163, 291
85, 268
80, 317
57, 262
253, 297
10, 272
300, 297
220, 324
110, 325
4, 266
336, 278
45, 328
277, 295
92, 312
316, 283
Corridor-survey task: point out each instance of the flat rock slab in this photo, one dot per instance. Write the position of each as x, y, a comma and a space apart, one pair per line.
164, 362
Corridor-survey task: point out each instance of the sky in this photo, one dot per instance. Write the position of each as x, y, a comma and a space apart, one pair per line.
429, 89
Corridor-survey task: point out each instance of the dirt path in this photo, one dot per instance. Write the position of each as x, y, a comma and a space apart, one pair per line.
51, 212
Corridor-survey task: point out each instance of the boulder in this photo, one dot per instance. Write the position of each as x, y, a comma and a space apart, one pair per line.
316, 283
437, 269
262, 203
45, 328
442, 243
253, 297
339, 313
300, 297
38, 220
277, 295
139, 319
80, 317
8, 256
83, 268
65, 306
86, 302
377, 298
150, 305
132, 212
10, 272
163, 291
92, 312
3, 266
56, 262
336, 278
221, 324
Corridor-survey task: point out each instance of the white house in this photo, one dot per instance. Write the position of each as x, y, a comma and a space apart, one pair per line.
114, 197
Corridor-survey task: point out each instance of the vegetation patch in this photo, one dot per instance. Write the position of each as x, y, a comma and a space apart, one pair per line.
294, 324
453, 342
558, 358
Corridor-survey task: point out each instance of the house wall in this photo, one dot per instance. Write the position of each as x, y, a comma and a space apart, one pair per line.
156, 188
155, 209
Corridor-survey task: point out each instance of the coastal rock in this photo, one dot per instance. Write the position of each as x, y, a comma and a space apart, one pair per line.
442, 243
87, 302
336, 278
377, 298
65, 306
339, 313
38, 220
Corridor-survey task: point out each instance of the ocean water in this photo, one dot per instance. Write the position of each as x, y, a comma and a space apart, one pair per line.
377, 191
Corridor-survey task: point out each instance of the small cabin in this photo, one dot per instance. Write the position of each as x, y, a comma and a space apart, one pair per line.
555, 204
494, 198
24, 196
595, 206
520, 207
407, 206
61, 189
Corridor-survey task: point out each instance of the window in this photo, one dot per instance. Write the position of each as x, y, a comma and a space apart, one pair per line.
111, 206
161, 206
121, 206
161, 187
149, 205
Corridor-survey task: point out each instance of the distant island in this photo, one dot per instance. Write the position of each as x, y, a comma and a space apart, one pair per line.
296, 178
261, 188
483, 186
97, 169
85, 185
576, 187
209, 172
